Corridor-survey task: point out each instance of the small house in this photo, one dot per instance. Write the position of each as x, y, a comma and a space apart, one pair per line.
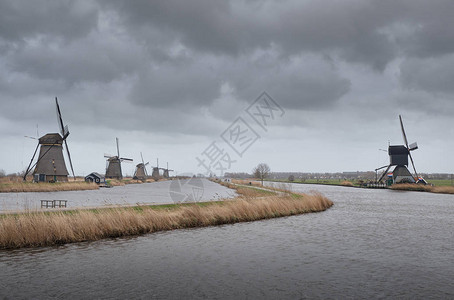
95, 177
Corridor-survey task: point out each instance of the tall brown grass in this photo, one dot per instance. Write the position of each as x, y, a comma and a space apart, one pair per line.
52, 228
346, 183
115, 182
423, 188
277, 187
252, 182
18, 187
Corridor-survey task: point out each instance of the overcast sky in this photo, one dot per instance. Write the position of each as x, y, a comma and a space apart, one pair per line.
168, 78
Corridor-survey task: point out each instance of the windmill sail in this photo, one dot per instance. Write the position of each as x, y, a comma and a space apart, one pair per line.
63, 129
64, 132
414, 145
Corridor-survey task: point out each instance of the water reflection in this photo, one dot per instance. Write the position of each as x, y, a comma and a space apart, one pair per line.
371, 243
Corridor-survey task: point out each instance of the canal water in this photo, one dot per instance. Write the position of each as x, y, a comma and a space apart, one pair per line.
147, 193
370, 244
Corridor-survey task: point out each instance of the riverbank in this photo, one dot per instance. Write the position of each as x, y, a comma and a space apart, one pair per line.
21, 187
17, 185
37, 229
423, 188
443, 189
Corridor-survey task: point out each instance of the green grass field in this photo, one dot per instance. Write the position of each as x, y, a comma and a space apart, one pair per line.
316, 181
436, 182
440, 182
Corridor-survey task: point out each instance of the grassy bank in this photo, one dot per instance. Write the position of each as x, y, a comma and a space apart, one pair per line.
18, 187
340, 182
441, 182
424, 188
59, 227
435, 186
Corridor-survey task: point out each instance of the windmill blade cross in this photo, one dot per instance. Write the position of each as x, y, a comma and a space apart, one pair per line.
141, 156
63, 129
118, 148
406, 144
38, 160
70, 161
29, 165
126, 159
403, 131
384, 173
413, 164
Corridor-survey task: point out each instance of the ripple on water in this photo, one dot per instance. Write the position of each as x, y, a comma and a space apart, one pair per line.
371, 243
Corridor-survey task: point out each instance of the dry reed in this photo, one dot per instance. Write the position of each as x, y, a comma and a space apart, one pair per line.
247, 182
346, 183
115, 182
18, 187
423, 188
53, 228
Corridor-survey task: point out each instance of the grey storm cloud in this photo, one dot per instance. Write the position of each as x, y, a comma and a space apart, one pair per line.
21, 20
356, 30
102, 60
110, 40
433, 74
191, 67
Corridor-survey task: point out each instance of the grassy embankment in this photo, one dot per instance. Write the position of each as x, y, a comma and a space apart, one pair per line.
36, 229
440, 186
441, 182
423, 188
339, 182
16, 185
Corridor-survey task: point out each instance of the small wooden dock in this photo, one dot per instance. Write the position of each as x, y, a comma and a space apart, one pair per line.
53, 203
376, 186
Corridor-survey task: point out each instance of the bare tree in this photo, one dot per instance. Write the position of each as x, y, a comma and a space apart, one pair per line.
291, 178
261, 171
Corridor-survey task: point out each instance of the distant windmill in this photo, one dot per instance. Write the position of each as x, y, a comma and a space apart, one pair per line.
155, 175
166, 172
113, 168
50, 166
141, 170
398, 156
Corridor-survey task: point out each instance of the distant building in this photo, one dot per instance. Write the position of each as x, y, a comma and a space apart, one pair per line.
95, 177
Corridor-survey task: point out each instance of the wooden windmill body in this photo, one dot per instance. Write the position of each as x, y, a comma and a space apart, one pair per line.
398, 157
141, 170
113, 168
50, 165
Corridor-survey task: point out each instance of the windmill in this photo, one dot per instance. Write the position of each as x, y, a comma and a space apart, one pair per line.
141, 170
398, 156
155, 175
166, 172
50, 165
113, 167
